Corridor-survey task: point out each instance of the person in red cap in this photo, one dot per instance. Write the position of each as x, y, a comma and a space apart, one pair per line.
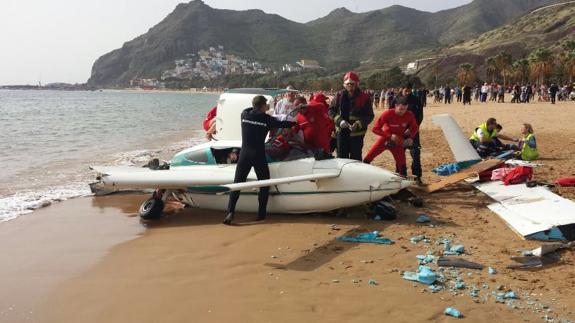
352, 111
391, 127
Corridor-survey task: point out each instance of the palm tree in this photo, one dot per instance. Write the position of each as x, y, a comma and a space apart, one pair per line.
568, 59
541, 64
466, 73
491, 67
504, 62
520, 70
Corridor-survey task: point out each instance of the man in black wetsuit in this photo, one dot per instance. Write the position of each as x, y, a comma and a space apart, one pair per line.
255, 126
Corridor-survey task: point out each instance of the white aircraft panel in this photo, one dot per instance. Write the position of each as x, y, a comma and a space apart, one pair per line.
458, 141
529, 210
230, 107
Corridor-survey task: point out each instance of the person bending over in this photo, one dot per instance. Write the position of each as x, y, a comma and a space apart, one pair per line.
485, 136
391, 126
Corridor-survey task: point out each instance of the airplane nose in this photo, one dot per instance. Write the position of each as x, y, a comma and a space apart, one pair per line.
406, 183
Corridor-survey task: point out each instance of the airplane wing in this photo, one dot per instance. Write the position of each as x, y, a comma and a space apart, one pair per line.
458, 142
275, 181
195, 180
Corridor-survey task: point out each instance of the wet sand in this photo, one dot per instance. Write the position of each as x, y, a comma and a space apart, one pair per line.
190, 268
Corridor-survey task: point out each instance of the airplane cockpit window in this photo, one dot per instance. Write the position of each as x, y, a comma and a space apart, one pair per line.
197, 156
226, 155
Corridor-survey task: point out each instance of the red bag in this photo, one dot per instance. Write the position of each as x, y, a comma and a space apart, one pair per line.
520, 174
566, 182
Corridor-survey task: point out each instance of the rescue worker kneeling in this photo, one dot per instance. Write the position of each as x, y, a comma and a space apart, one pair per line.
393, 126
256, 124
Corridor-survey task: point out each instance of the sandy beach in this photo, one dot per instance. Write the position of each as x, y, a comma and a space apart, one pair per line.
90, 259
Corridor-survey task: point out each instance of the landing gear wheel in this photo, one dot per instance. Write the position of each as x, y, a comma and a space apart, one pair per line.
152, 209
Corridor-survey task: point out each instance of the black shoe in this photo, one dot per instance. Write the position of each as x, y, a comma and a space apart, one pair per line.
261, 218
418, 181
229, 218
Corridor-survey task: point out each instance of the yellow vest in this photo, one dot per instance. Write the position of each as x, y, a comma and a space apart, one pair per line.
528, 152
490, 134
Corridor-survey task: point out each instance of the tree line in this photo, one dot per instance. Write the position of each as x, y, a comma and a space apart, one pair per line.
542, 66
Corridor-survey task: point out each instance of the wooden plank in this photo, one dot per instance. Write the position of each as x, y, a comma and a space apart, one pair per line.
460, 176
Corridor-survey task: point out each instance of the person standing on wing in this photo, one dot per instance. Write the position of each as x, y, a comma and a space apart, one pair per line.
352, 111
256, 124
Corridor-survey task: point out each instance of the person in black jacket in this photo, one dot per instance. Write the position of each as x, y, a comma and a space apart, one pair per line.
351, 111
256, 124
414, 105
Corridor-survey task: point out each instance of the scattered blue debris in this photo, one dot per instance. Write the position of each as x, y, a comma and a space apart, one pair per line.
450, 311
455, 250
424, 275
460, 285
370, 237
510, 295
419, 238
500, 298
372, 282
424, 260
424, 218
436, 288
474, 292
492, 271
553, 234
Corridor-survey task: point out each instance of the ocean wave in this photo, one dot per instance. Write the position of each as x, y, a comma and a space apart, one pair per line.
25, 202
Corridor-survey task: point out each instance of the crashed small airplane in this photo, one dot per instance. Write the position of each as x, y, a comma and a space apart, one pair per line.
203, 176
534, 213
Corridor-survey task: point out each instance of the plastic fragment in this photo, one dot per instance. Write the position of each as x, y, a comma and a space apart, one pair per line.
372, 282
450, 311
510, 295
424, 218
492, 271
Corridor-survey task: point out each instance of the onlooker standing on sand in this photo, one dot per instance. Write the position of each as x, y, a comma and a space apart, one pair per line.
352, 111
447, 90
484, 92
553, 89
392, 126
501, 94
466, 94
256, 124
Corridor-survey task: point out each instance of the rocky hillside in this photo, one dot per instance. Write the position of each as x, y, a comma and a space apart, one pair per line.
342, 36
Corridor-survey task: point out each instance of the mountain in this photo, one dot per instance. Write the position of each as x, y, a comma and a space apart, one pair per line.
342, 36
548, 28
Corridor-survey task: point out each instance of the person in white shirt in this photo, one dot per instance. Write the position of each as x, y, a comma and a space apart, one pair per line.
484, 91
285, 107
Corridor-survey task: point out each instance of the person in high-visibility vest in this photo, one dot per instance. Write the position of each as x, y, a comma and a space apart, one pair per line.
483, 138
528, 144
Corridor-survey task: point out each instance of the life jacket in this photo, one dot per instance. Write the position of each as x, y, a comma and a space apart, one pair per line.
528, 152
490, 134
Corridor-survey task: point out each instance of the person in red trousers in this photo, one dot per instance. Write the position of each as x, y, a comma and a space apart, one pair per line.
392, 127
315, 124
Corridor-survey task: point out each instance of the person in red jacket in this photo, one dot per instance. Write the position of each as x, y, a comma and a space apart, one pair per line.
210, 123
315, 124
392, 126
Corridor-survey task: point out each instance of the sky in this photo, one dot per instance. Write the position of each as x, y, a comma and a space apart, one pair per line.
58, 40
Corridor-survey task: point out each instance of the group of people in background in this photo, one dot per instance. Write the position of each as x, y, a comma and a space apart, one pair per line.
497, 93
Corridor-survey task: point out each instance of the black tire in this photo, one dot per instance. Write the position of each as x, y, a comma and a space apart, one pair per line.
152, 209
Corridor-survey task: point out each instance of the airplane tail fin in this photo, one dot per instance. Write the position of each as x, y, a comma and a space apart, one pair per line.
459, 143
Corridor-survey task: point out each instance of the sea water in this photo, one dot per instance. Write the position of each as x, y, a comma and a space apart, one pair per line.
48, 139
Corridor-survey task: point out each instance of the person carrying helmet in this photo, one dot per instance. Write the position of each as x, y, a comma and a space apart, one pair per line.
352, 111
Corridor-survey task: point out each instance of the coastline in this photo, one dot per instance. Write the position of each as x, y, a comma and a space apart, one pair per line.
188, 267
